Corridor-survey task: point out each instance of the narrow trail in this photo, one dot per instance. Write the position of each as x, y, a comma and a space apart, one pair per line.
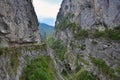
25, 45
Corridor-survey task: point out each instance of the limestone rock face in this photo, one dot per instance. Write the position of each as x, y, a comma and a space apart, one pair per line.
76, 24
14, 59
91, 13
18, 22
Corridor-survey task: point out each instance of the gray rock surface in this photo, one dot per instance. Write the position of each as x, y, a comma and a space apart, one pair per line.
14, 59
18, 23
89, 15
92, 13
18, 33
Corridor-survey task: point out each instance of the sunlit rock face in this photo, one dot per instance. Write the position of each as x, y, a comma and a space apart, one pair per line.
18, 23
18, 27
92, 13
87, 28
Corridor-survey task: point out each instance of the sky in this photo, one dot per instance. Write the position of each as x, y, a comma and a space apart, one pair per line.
47, 10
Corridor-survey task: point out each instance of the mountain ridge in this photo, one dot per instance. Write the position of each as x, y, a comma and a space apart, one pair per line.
45, 30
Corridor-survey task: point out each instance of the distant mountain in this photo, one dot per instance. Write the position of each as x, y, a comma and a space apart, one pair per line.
45, 30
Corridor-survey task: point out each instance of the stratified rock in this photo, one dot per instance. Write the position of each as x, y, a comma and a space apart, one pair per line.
18, 23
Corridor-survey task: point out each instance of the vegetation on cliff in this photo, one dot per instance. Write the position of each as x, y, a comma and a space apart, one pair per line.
57, 46
39, 69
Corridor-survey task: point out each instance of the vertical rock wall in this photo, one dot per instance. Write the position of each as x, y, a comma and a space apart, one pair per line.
18, 23
91, 13
90, 29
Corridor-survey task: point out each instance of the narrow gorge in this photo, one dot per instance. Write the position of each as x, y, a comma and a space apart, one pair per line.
84, 46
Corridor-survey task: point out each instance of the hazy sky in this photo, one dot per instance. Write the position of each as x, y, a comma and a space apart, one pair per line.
47, 10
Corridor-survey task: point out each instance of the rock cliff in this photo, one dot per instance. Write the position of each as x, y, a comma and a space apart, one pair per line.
18, 23
90, 14
19, 38
86, 43
90, 31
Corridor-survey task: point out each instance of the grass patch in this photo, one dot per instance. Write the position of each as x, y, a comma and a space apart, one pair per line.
39, 69
64, 22
113, 34
81, 34
103, 67
58, 47
2, 50
98, 34
83, 75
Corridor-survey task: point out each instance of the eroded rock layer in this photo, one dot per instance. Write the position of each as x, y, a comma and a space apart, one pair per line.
18, 22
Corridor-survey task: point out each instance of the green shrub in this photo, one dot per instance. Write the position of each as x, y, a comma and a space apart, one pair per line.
117, 27
2, 50
81, 34
63, 24
72, 26
113, 34
103, 67
58, 47
50, 40
38, 69
64, 21
85, 76
83, 47
78, 67
98, 34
